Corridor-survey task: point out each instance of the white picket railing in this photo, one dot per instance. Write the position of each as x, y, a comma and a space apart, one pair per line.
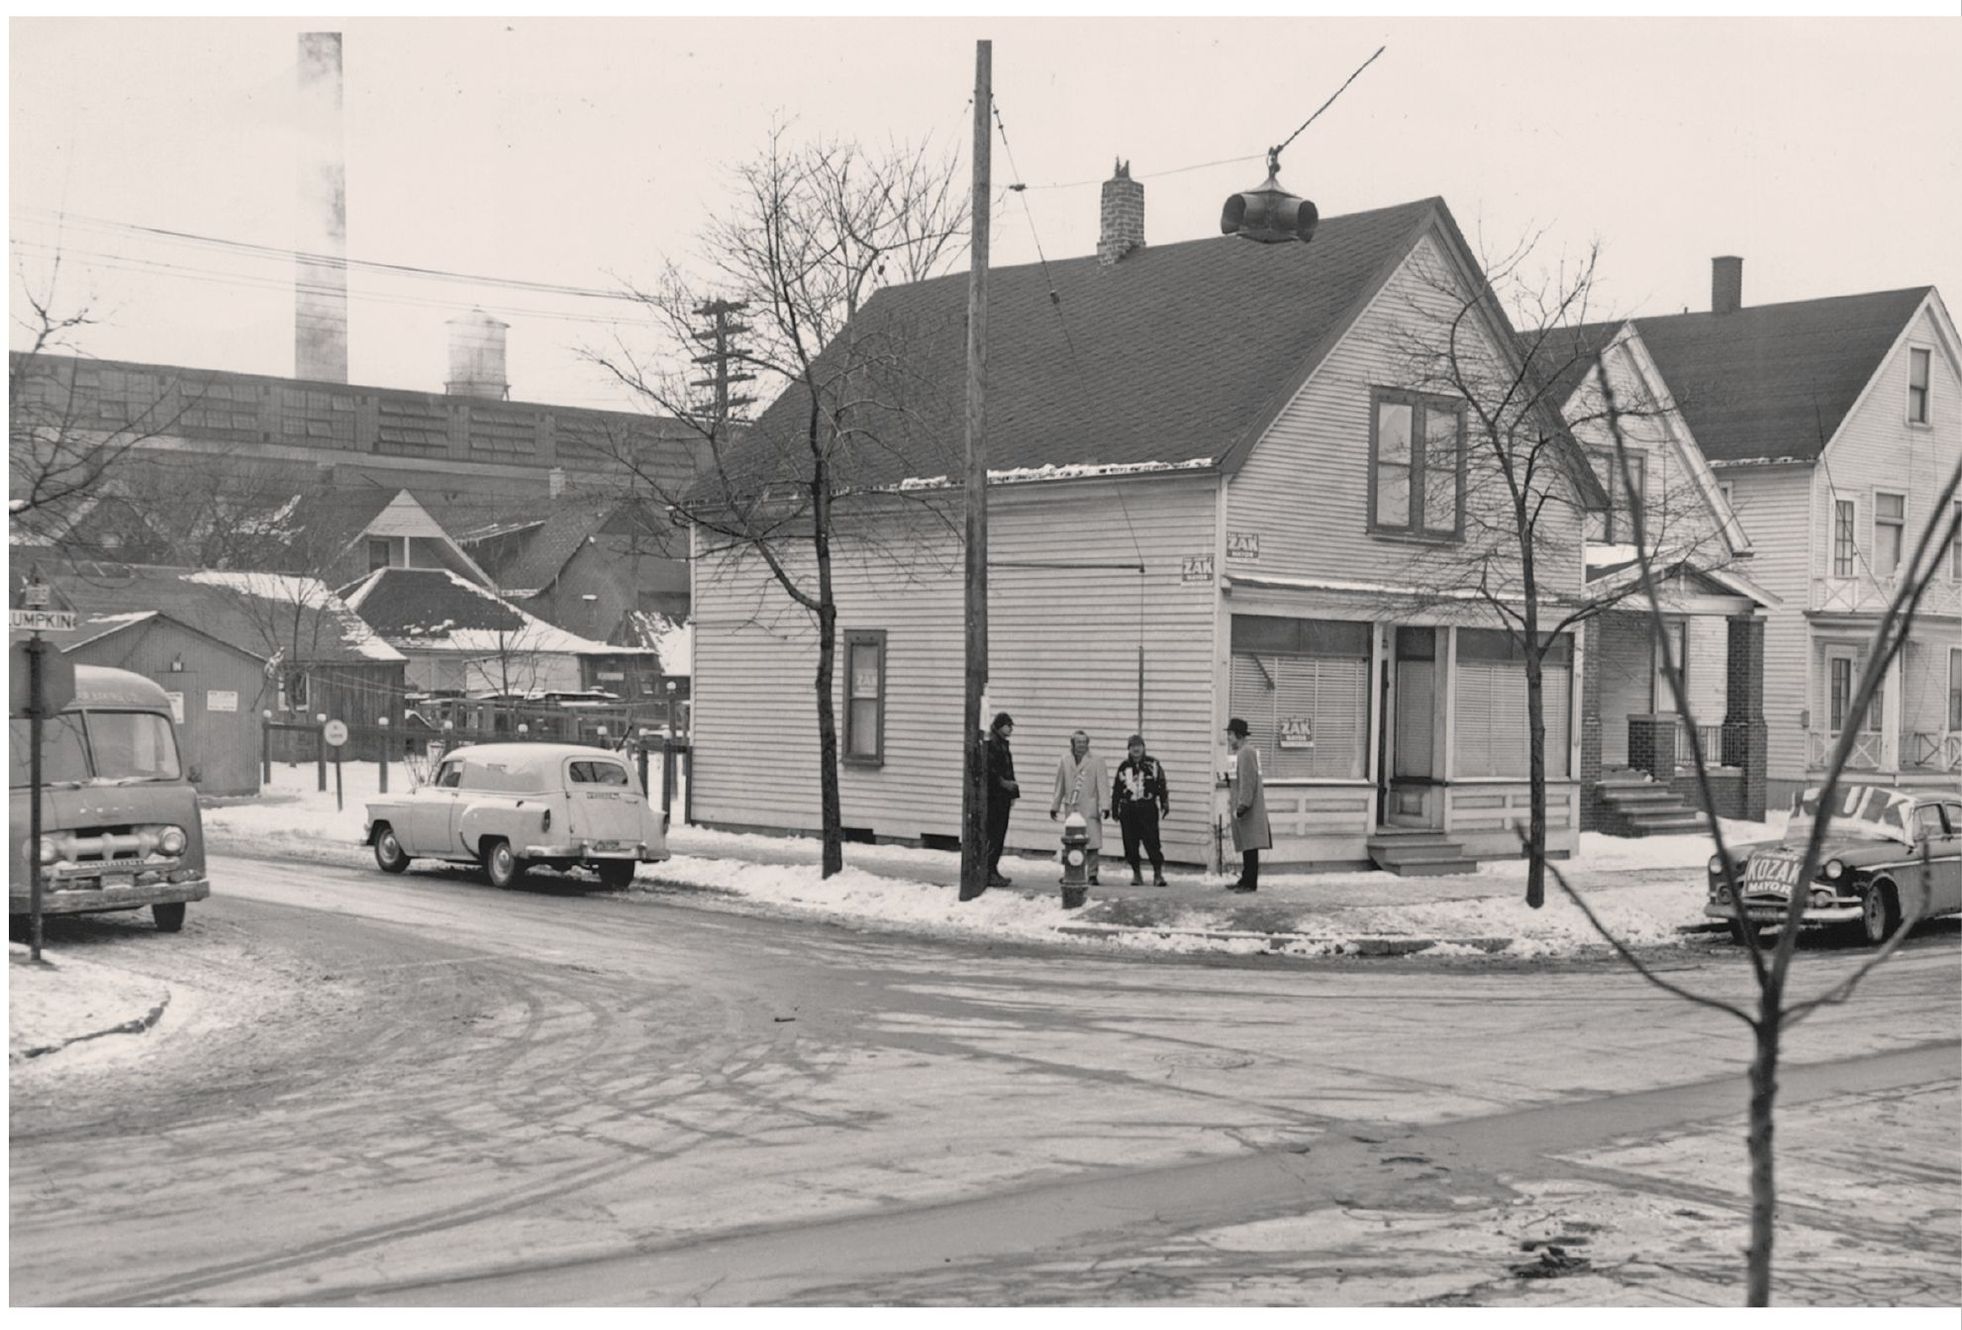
1931, 750
1868, 753
1710, 736
1871, 595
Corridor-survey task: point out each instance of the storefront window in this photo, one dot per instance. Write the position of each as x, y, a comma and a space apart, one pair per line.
1489, 705
1302, 686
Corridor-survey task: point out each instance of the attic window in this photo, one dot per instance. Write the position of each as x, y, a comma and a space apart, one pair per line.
378, 554
1416, 465
1919, 365
1616, 525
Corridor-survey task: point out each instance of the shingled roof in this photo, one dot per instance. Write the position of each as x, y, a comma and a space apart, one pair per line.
1773, 382
434, 609
1174, 355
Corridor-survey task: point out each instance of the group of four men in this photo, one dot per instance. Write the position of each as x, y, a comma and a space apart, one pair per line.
1138, 797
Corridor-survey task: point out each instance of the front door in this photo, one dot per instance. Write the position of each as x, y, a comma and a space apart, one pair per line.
1408, 788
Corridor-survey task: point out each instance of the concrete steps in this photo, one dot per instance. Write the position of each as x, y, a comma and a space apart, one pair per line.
1646, 807
1419, 854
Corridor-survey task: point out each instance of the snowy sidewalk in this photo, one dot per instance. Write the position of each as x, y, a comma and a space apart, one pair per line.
65, 1000
1647, 891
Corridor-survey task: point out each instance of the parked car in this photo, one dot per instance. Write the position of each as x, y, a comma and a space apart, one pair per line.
119, 822
511, 807
1870, 866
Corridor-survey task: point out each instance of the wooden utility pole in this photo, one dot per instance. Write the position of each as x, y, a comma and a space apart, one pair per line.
720, 337
975, 793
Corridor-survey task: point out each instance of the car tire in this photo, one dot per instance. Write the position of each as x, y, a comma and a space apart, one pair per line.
169, 917
616, 874
503, 867
1880, 914
388, 850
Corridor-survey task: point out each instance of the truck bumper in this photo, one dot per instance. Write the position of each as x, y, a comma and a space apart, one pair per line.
56, 899
1775, 914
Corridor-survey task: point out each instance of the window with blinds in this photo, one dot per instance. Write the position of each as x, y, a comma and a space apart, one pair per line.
1489, 705
1302, 686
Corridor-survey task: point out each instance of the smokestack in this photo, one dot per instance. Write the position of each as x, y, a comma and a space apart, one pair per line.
477, 357
1726, 284
320, 277
1121, 219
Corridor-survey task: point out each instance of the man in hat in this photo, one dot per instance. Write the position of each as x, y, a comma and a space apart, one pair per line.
1080, 788
1251, 833
1138, 798
998, 769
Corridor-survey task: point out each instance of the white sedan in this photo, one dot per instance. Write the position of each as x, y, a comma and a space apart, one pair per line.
510, 807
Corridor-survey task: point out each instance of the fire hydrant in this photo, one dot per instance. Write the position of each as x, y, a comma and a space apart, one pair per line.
1076, 858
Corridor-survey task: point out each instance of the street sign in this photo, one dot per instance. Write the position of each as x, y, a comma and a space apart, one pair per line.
57, 680
42, 621
335, 733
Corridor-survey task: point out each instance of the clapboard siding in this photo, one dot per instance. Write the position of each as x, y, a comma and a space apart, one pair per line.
1773, 504
1304, 488
1063, 655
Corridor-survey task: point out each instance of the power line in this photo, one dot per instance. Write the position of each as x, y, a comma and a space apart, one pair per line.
334, 261
1055, 300
1330, 102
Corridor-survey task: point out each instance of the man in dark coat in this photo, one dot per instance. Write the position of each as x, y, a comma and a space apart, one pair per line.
998, 770
1251, 833
1139, 799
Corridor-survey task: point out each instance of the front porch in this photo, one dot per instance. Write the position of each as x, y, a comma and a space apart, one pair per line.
1911, 732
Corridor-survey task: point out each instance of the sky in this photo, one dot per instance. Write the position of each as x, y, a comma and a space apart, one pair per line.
588, 153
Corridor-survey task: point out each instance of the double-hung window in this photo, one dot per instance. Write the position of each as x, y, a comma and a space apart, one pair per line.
1417, 465
1920, 365
1843, 543
1889, 529
865, 698
1617, 524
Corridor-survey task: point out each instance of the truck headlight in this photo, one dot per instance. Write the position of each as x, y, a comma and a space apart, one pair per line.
172, 841
1834, 871
1716, 865
49, 852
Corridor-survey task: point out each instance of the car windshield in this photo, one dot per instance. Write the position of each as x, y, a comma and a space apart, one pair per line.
63, 758
1859, 812
132, 746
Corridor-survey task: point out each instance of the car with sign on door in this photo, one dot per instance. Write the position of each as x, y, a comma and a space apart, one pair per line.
513, 807
1890, 854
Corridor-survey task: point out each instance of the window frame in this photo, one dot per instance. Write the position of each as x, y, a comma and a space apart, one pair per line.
1900, 527
1610, 477
387, 553
1851, 529
853, 639
1925, 355
1420, 404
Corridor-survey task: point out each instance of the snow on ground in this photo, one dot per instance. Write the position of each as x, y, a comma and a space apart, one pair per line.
1644, 890
68, 997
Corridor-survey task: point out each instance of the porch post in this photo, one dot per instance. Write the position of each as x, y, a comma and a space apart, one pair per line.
1745, 738
1890, 712
1592, 813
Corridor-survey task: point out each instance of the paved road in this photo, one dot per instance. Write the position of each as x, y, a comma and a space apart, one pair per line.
445, 1094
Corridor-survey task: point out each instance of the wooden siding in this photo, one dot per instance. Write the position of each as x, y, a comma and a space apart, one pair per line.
1304, 489
1064, 655
1773, 503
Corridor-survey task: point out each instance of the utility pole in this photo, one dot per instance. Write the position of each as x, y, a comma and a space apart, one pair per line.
721, 337
975, 793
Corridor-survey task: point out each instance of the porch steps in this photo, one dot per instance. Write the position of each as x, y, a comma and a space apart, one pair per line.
1419, 854
1645, 807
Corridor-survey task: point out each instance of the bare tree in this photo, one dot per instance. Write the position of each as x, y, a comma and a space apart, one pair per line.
813, 232
71, 424
1778, 1010
1503, 529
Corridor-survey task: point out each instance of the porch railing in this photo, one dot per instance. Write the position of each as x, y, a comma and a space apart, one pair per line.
1871, 595
1867, 753
1932, 750
1710, 736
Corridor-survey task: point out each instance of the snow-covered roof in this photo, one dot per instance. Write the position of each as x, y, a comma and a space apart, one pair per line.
433, 609
675, 641
1022, 475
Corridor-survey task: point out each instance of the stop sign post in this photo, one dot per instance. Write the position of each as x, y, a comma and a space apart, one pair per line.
42, 684
335, 733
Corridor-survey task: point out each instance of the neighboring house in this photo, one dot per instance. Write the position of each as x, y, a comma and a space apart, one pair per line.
359, 531
1830, 425
1191, 517
585, 563
217, 690
1713, 612
462, 639
317, 657
673, 642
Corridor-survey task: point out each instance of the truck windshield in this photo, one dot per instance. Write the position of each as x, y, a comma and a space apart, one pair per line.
63, 758
132, 746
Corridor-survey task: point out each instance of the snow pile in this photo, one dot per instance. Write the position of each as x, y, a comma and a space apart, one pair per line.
1021, 475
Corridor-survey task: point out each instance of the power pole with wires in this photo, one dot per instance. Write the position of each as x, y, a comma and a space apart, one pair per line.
975, 792
720, 338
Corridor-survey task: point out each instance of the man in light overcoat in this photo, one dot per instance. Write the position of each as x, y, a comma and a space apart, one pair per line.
1081, 787
1251, 834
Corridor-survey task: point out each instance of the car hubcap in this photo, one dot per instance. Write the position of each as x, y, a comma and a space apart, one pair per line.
389, 846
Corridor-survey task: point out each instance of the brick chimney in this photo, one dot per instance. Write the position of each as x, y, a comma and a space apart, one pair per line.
1121, 224
1726, 284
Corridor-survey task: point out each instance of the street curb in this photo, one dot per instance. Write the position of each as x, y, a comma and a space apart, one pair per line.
1348, 946
139, 1025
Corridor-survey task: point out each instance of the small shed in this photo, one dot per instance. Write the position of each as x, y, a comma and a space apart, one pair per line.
216, 690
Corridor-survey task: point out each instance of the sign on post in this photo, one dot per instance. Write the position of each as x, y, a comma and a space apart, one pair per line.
335, 733
42, 621
57, 681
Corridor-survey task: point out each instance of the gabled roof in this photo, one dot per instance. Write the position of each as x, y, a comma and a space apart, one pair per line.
95, 627
254, 612
432, 609
1175, 354
567, 527
1564, 357
1773, 382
